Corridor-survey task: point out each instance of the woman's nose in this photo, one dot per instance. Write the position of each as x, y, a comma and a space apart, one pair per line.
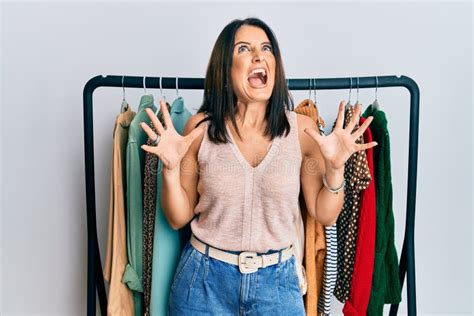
258, 56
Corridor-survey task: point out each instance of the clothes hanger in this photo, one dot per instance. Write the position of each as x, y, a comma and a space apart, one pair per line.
124, 106
310, 90
357, 99
146, 98
348, 104
177, 94
308, 101
177, 89
375, 104
312, 86
313, 89
357, 102
144, 83
320, 121
162, 97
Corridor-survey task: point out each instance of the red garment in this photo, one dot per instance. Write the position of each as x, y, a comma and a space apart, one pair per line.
361, 285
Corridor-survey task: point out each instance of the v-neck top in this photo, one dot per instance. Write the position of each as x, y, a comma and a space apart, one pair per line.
245, 164
245, 208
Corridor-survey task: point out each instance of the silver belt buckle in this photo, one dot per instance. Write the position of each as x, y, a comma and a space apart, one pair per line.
243, 263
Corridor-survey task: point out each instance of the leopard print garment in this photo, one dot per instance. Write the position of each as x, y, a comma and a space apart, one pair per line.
357, 176
149, 208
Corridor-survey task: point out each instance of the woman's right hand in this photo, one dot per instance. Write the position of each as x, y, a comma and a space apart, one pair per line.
171, 146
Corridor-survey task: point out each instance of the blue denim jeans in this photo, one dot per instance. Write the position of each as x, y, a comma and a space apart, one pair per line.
203, 285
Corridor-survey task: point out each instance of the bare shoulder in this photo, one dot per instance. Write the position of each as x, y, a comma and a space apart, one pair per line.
190, 125
306, 142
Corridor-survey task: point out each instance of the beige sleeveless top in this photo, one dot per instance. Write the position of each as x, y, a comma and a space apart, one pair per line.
245, 208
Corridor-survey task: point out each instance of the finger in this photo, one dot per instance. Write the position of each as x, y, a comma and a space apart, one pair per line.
151, 134
313, 134
340, 115
355, 117
156, 123
150, 149
366, 146
360, 131
166, 114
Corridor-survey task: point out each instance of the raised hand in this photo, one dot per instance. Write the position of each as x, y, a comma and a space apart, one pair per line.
171, 146
338, 146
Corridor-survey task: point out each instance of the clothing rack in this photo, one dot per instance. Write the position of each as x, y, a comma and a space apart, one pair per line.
95, 278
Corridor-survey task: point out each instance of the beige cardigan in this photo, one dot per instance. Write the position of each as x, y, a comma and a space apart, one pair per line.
120, 297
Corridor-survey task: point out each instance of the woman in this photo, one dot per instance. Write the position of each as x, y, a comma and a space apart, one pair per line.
245, 192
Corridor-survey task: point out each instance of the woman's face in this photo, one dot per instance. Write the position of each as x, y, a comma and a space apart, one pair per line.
252, 51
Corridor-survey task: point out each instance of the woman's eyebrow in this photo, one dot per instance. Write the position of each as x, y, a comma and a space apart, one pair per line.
249, 43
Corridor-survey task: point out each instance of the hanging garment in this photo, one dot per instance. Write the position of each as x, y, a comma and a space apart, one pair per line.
149, 206
247, 208
166, 240
314, 264
133, 275
120, 300
364, 258
386, 287
315, 240
330, 271
357, 176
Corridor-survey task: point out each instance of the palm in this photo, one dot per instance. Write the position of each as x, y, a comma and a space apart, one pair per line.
337, 147
172, 146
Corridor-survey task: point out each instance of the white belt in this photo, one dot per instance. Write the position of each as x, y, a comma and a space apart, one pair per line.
248, 261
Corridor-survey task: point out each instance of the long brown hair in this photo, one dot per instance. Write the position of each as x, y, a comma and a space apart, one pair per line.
219, 102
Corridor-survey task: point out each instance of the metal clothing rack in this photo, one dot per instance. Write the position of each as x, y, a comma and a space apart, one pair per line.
95, 279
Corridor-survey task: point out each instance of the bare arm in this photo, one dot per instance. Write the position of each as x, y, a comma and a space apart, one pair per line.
175, 200
330, 154
180, 173
329, 204
179, 192
323, 205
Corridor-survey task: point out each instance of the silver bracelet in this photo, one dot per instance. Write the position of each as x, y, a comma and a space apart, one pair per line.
331, 189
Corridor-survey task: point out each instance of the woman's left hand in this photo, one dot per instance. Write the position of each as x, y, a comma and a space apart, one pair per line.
338, 146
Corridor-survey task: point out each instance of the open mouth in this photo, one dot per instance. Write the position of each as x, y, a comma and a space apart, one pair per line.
258, 78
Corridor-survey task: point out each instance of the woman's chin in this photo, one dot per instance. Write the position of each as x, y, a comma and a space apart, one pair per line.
259, 97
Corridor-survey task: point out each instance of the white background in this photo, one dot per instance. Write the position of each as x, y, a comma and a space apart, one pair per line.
50, 50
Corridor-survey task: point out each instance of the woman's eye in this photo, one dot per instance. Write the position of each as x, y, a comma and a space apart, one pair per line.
268, 47
241, 47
